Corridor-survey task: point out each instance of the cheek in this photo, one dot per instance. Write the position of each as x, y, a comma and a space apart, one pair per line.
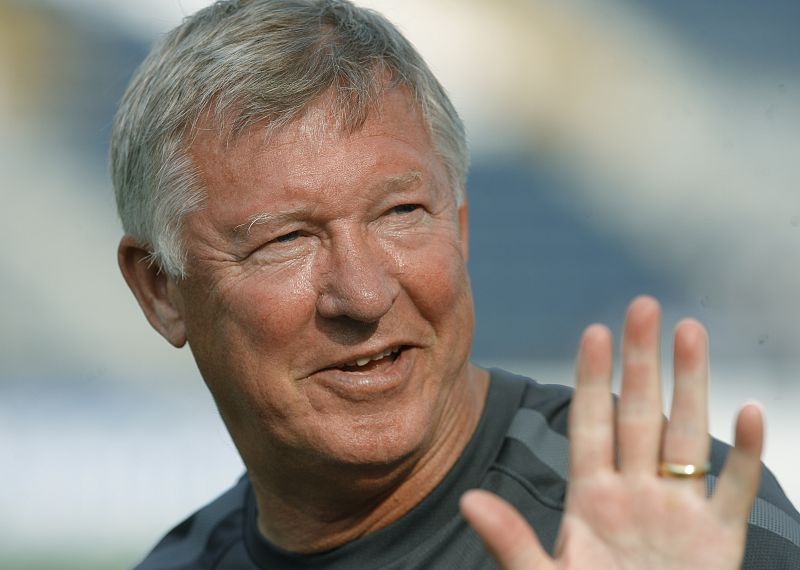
246, 330
436, 278
246, 341
266, 309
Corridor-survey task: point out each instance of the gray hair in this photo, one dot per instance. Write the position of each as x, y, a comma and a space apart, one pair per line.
257, 61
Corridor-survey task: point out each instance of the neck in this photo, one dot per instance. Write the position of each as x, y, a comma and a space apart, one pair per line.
336, 504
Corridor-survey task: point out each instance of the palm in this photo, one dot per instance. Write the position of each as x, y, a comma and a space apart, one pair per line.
619, 513
651, 525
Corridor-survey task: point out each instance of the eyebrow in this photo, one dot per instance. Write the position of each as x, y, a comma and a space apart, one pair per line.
265, 218
393, 184
402, 181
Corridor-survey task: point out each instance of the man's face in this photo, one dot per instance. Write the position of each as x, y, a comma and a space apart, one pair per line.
328, 305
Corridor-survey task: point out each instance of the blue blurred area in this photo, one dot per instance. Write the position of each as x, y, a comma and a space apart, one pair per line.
105, 57
540, 268
756, 35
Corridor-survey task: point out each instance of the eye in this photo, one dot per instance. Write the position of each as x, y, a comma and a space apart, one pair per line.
405, 208
291, 236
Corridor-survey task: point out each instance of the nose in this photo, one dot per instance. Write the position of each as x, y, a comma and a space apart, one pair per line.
357, 281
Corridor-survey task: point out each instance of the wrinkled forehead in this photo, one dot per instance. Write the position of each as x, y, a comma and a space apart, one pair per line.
220, 131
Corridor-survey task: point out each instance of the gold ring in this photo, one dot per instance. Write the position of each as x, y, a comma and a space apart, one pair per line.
683, 470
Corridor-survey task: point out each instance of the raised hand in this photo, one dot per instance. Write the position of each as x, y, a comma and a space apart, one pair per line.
620, 511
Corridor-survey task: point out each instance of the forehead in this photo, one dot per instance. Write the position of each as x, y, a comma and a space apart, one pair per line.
322, 121
314, 150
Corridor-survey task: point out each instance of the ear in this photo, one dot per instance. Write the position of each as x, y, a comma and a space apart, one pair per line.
157, 293
463, 227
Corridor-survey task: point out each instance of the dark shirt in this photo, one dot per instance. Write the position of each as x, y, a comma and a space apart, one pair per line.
518, 451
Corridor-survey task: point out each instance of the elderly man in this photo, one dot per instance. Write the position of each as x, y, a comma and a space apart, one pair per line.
290, 177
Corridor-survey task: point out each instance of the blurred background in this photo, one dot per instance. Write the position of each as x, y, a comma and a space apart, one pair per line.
619, 147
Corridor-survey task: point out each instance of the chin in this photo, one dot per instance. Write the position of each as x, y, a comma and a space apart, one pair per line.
381, 441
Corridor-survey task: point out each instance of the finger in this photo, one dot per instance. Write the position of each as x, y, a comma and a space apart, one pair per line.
639, 419
686, 440
506, 535
591, 426
738, 482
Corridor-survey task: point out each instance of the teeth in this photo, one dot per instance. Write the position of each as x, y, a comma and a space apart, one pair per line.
365, 360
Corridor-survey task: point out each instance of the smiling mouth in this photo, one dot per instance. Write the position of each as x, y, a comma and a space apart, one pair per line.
369, 377
369, 363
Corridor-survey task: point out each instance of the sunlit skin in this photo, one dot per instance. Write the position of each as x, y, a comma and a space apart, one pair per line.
318, 250
315, 248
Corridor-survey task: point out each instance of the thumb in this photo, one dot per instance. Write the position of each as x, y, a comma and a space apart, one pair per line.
504, 532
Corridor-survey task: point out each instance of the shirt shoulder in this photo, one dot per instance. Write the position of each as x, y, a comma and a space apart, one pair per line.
207, 537
530, 467
536, 442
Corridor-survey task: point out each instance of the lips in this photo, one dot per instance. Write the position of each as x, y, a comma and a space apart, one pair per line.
368, 376
367, 360
363, 362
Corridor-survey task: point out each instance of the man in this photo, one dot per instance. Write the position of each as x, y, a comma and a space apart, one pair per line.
291, 179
